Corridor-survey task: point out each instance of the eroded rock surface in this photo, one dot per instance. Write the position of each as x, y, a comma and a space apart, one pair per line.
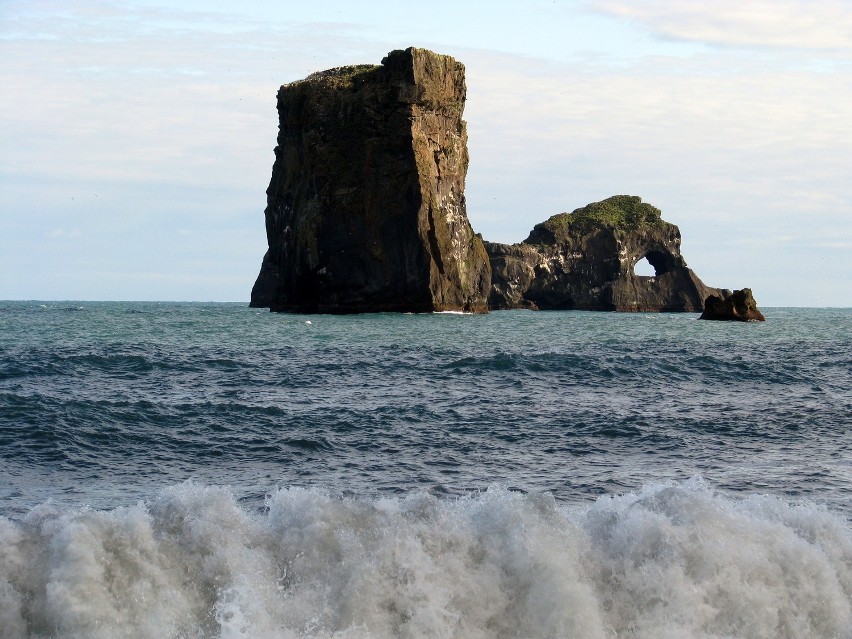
736, 306
585, 260
366, 212
366, 209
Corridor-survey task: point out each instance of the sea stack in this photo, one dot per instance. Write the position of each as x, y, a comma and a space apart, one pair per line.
585, 260
736, 306
365, 209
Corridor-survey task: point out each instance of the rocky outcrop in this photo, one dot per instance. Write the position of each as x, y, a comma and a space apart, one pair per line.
366, 209
736, 306
585, 260
366, 212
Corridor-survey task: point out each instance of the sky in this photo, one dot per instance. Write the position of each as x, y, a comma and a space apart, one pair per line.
137, 137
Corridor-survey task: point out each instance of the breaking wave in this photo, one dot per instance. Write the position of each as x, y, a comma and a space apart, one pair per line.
672, 560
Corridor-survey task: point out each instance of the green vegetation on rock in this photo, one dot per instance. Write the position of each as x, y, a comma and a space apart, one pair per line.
339, 76
619, 212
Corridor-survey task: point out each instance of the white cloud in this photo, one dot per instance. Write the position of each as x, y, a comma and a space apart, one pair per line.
804, 24
62, 234
766, 136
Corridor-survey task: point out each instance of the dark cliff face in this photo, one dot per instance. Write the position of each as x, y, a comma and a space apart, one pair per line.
365, 208
585, 260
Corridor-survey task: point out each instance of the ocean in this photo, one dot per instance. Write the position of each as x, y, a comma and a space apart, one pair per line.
211, 470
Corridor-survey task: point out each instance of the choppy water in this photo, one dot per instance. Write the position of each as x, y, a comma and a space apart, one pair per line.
209, 470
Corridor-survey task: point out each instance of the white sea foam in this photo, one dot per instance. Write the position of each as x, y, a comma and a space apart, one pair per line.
675, 560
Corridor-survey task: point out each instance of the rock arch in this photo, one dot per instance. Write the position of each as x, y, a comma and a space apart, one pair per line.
586, 260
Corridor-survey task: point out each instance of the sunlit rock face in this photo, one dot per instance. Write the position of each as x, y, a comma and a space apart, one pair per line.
585, 260
366, 209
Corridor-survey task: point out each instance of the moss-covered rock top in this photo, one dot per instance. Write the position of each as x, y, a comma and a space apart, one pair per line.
339, 77
619, 212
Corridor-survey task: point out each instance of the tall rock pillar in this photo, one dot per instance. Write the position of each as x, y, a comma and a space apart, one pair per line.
365, 209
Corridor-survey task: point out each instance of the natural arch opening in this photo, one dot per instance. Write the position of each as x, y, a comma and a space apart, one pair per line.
643, 268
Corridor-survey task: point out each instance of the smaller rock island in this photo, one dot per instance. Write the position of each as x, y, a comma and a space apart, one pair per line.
736, 306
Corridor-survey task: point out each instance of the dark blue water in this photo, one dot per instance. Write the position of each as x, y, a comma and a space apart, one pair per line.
100, 402
110, 406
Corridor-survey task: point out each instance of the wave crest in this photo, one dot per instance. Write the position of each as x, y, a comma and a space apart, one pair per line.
673, 560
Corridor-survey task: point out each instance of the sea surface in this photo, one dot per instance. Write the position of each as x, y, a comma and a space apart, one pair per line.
210, 470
